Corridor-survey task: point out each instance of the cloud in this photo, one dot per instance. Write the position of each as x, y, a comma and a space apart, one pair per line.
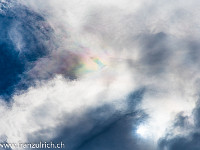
187, 133
101, 124
24, 38
78, 63
51, 105
184, 143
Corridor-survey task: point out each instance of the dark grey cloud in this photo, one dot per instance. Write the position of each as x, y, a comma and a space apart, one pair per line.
102, 128
187, 141
181, 121
162, 54
57, 63
190, 142
156, 52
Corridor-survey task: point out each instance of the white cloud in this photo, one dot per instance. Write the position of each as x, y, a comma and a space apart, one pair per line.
47, 105
111, 30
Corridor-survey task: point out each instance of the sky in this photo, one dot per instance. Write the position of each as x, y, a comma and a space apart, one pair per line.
100, 74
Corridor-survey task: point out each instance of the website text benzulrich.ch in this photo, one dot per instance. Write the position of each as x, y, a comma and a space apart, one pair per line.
40, 145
